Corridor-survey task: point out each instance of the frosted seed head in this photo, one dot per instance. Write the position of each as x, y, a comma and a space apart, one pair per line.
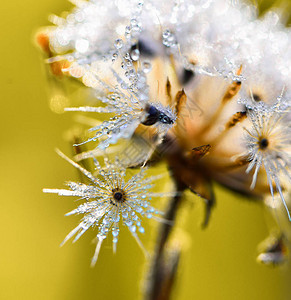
103, 208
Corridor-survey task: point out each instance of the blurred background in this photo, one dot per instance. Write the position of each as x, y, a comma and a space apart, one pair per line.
217, 263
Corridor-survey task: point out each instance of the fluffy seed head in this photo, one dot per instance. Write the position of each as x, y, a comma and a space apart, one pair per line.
110, 199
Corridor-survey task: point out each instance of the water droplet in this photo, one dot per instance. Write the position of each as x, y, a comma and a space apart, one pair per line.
146, 67
114, 56
115, 233
127, 29
135, 54
169, 39
118, 44
133, 22
129, 64
135, 27
149, 216
139, 209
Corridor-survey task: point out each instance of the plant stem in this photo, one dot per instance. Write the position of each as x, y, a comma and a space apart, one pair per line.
164, 264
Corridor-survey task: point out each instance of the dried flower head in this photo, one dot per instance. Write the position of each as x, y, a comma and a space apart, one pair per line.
110, 200
127, 96
268, 144
203, 85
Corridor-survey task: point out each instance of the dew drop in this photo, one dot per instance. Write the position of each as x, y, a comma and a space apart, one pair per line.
149, 215
127, 30
132, 228
115, 233
135, 54
133, 22
139, 209
118, 44
146, 67
169, 39
114, 56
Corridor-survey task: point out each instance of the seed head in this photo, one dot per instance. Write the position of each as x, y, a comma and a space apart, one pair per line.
110, 199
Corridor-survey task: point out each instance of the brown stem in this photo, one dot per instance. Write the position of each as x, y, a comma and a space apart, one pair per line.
165, 261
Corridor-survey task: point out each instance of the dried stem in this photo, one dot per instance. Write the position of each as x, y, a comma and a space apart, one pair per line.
165, 261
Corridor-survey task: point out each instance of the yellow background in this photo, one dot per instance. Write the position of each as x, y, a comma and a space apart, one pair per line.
219, 262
